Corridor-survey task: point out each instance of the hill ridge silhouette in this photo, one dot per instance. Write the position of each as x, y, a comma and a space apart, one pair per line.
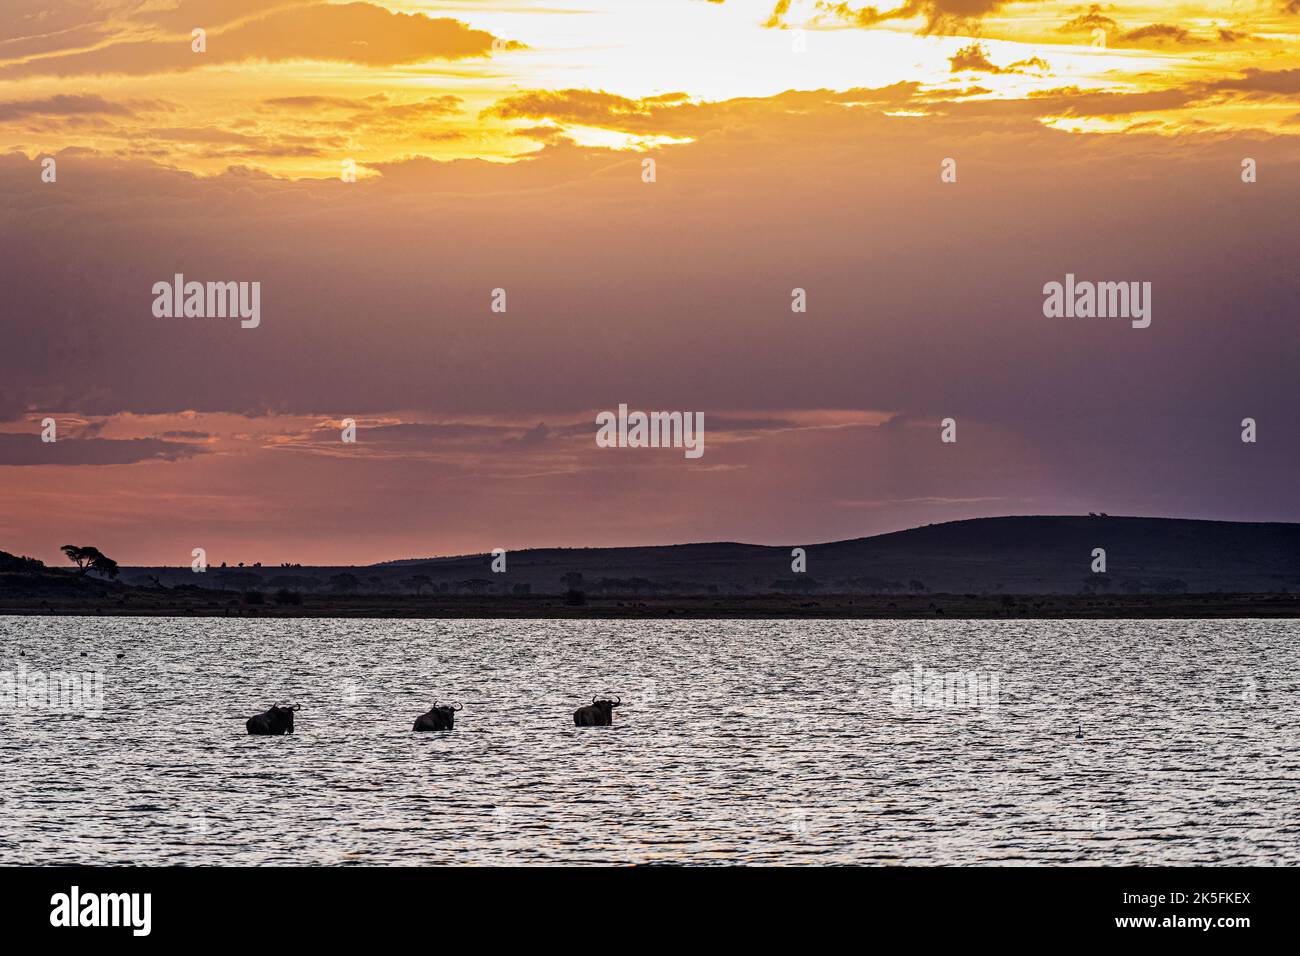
1024, 554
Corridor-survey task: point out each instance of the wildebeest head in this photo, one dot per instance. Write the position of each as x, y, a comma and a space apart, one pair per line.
284, 715
606, 705
447, 711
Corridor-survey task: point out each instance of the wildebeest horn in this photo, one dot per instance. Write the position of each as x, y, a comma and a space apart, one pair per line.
296, 707
459, 707
593, 700
618, 701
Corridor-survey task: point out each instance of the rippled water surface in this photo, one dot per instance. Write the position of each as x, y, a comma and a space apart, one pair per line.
737, 741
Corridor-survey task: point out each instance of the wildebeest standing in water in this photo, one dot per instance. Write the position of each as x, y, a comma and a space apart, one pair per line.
278, 720
599, 714
438, 718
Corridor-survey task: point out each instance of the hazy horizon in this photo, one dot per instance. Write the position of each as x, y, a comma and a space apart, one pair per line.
58, 560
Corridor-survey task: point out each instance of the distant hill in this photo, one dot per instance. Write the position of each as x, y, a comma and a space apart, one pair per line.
1013, 555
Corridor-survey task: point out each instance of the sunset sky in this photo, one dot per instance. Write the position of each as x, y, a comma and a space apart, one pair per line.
500, 145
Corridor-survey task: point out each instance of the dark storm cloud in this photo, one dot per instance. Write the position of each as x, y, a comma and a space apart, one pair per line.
16, 449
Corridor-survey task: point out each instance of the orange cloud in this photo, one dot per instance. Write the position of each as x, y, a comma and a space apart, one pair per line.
975, 59
360, 33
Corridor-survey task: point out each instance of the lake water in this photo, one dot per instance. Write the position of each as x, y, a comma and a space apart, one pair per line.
751, 742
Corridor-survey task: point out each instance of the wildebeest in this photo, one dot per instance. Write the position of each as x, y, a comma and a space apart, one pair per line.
599, 714
438, 718
277, 720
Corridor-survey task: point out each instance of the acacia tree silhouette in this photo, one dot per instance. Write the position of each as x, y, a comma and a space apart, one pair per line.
90, 559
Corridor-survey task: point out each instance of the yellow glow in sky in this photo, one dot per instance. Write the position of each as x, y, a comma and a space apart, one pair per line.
294, 88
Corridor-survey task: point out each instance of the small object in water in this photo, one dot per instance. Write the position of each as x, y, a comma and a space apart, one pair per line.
600, 713
438, 718
274, 722
83, 653
1079, 735
120, 656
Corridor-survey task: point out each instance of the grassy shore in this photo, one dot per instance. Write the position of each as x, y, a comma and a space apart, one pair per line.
213, 603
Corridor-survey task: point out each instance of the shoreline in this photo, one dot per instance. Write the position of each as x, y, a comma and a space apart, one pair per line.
228, 604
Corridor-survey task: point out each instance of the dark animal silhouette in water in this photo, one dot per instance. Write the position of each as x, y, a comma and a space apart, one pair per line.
1079, 735
278, 720
438, 718
599, 714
